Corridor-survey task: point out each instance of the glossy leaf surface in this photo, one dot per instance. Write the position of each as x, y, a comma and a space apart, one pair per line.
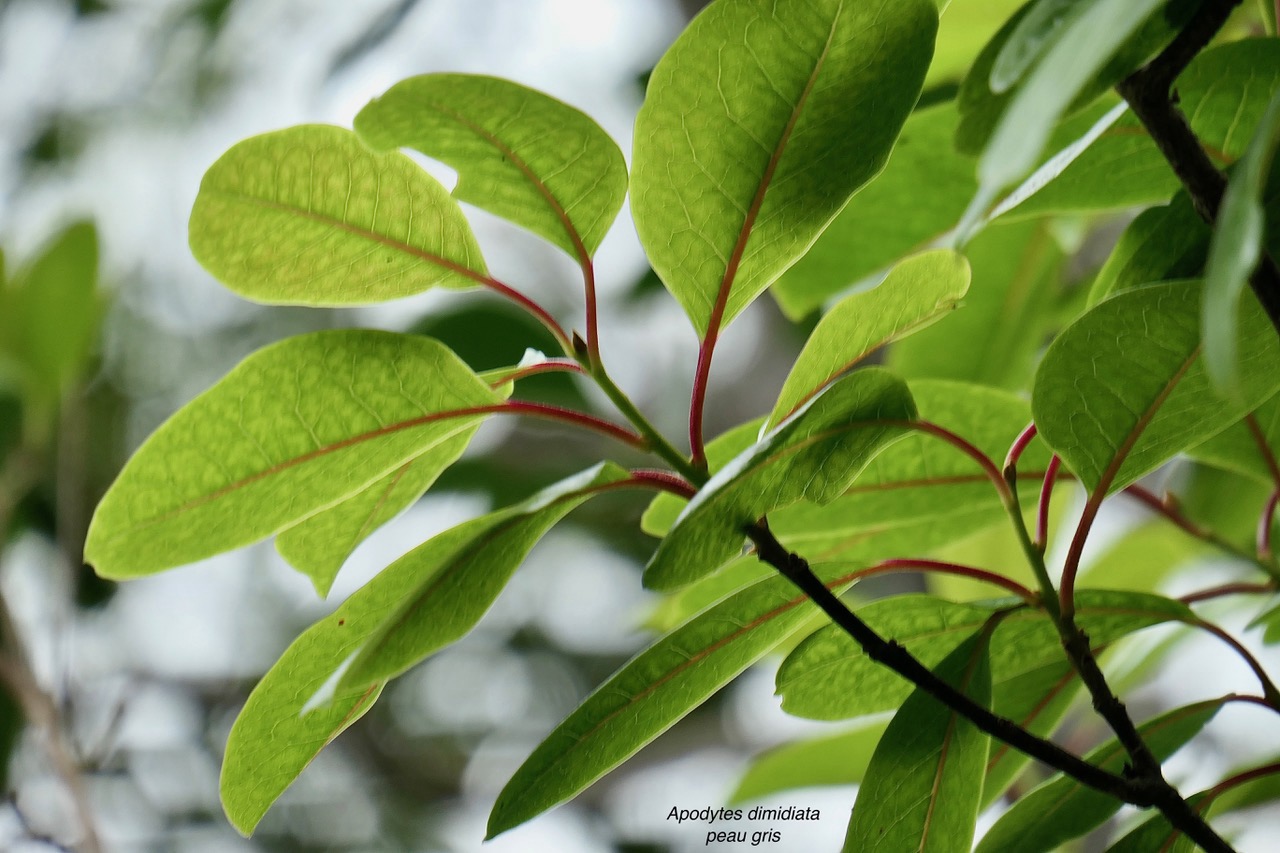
295, 428
310, 216
519, 154
1123, 389
733, 181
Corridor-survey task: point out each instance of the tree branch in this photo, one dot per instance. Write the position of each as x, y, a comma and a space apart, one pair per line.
1149, 94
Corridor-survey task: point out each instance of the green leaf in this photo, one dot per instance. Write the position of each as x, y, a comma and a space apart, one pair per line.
53, 311
924, 783
1155, 833
1123, 388
519, 154
457, 576
828, 677
651, 693
919, 493
813, 456
1223, 92
760, 122
1038, 700
1236, 448
677, 607
916, 293
310, 216
664, 509
1061, 808
995, 336
1068, 67
888, 218
319, 545
294, 429
1162, 244
1236, 248
839, 759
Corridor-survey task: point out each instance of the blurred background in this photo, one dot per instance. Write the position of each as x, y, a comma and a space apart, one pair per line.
110, 111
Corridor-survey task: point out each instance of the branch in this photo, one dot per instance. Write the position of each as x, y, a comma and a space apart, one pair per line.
1148, 92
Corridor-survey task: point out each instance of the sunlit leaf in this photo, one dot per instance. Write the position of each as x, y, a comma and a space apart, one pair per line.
292, 430
651, 693
829, 677
457, 575
890, 217
813, 456
1061, 808
1235, 250
1123, 388
924, 783
917, 292
760, 122
519, 153
310, 216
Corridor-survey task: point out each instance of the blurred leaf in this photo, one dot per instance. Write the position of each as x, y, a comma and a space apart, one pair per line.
1038, 699
829, 677
924, 783
729, 190
1236, 448
53, 311
839, 759
293, 429
890, 217
1223, 92
994, 337
1235, 250
1031, 35
1123, 388
310, 216
519, 154
919, 291
457, 575
965, 27
813, 456
651, 693
1061, 808
1141, 558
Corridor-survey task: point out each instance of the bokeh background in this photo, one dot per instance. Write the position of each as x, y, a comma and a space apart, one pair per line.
110, 111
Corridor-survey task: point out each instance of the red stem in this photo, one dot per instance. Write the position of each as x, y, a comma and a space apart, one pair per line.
1226, 589
1019, 445
940, 567
551, 365
1260, 439
529, 305
1264, 527
1042, 510
663, 481
988, 467
1271, 694
557, 413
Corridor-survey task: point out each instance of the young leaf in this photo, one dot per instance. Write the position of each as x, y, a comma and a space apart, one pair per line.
828, 677
839, 759
456, 577
760, 122
310, 216
651, 693
889, 217
813, 456
1123, 388
319, 545
1235, 250
519, 154
1061, 808
292, 430
916, 293
924, 783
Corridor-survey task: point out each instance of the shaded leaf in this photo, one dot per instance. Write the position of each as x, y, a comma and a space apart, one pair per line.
519, 154
292, 430
813, 456
828, 677
733, 181
916, 293
457, 575
889, 217
1123, 388
839, 759
1061, 808
1236, 448
310, 216
1235, 250
651, 693
924, 783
